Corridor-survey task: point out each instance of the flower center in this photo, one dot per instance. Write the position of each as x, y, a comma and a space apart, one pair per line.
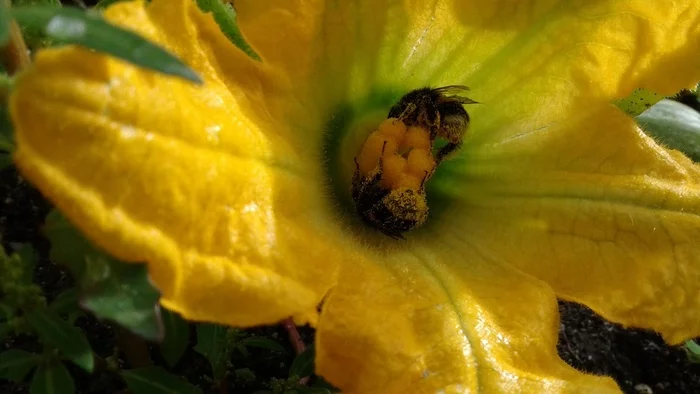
386, 162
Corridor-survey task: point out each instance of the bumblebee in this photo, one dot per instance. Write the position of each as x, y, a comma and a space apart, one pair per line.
397, 159
439, 110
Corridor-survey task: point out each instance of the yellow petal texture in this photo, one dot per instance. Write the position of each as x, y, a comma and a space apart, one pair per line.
593, 207
554, 53
155, 169
451, 321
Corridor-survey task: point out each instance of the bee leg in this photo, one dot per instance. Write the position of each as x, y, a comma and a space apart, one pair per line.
410, 108
446, 150
425, 178
381, 158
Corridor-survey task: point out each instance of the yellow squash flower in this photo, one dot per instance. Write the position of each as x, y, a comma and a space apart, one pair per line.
236, 192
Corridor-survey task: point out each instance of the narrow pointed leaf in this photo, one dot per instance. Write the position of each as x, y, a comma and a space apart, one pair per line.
155, 380
211, 343
225, 17
54, 331
177, 336
52, 379
15, 364
72, 26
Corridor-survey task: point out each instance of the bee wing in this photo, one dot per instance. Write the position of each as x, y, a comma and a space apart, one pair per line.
454, 92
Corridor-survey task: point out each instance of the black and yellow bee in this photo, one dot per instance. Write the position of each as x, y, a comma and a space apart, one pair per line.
397, 159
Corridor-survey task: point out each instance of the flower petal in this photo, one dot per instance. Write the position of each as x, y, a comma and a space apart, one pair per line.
603, 48
451, 321
196, 181
595, 208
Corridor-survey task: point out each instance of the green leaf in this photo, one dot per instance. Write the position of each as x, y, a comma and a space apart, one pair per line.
27, 256
15, 364
5, 160
73, 26
212, 344
303, 364
262, 343
66, 302
52, 379
123, 293
675, 125
68, 247
177, 336
245, 374
639, 101
54, 331
225, 16
110, 289
7, 139
5, 22
692, 349
155, 380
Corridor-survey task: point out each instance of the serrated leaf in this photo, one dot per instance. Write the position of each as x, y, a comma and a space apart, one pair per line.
15, 364
54, 331
73, 26
155, 380
675, 125
66, 302
225, 16
110, 289
123, 293
303, 364
262, 343
211, 343
177, 336
52, 379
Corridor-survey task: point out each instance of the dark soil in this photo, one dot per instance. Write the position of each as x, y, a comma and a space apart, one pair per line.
636, 359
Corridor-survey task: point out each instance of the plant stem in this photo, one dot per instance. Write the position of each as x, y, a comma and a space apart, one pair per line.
294, 336
134, 347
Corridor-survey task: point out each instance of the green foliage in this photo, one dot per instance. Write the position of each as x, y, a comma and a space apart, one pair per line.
73, 26
5, 21
303, 364
110, 289
52, 378
261, 343
225, 16
54, 331
692, 349
155, 380
675, 125
15, 364
177, 336
212, 343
